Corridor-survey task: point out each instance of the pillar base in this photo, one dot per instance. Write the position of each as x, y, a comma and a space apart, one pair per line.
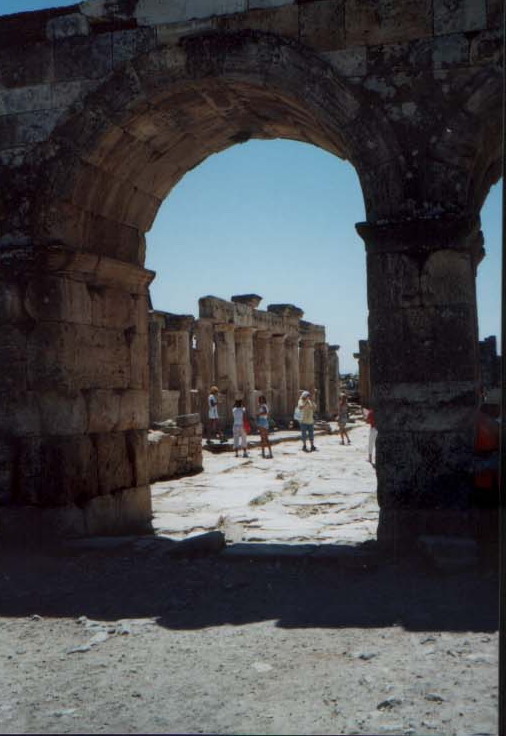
125, 512
399, 530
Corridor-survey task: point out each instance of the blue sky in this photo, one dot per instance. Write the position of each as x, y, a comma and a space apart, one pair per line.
277, 218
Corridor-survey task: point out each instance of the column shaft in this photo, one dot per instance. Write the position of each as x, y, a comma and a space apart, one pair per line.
226, 367
278, 376
292, 372
245, 366
423, 352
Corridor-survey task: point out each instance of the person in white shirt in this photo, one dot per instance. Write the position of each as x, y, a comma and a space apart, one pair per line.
214, 417
239, 430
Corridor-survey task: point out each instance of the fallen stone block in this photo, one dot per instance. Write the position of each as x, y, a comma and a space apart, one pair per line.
203, 544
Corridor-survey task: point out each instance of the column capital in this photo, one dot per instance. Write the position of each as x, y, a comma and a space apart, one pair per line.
280, 338
263, 335
179, 322
242, 333
334, 347
423, 235
224, 327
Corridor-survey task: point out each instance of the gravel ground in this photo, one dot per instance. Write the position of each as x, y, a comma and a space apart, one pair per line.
122, 637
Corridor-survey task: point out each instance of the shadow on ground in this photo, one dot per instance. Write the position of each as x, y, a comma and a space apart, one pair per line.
139, 578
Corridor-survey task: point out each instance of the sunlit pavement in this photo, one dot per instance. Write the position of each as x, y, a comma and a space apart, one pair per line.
328, 496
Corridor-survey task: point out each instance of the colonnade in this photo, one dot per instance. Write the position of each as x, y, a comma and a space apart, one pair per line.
244, 351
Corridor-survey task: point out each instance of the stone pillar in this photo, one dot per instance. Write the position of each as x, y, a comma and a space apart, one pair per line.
364, 373
262, 363
155, 367
292, 371
225, 368
423, 341
278, 377
245, 366
333, 379
74, 395
322, 379
307, 363
176, 358
204, 333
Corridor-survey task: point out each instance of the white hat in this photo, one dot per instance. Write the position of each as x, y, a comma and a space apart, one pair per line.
305, 394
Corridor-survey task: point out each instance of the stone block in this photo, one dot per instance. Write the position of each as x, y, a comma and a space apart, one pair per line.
13, 349
134, 410
29, 64
11, 303
322, 24
187, 420
52, 356
66, 26
111, 307
447, 279
125, 512
114, 468
281, 19
495, 13
450, 51
139, 368
153, 12
348, 62
415, 342
83, 57
398, 57
56, 470
103, 409
130, 43
459, 16
383, 21
137, 447
58, 299
25, 99
63, 413
19, 413
65, 94
101, 358
487, 47
26, 128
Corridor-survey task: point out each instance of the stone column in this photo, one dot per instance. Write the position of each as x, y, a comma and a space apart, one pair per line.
245, 366
177, 358
322, 379
307, 363
333, 379
262, 363
278, 377
423, 345
155, 367
364, 374
204, 332
225, 368
292, 371
74, 389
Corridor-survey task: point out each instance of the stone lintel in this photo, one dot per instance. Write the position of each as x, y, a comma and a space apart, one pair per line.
250, 300
263, 335
242, 333
79, 265
423, 235
224, 327
286, 310
310, 331
179, 322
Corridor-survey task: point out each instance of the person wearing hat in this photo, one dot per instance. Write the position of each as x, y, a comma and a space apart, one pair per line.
214, 417
307, 408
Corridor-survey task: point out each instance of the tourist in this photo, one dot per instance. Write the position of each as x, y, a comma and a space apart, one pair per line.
307, 408
214, 418
239, 429
373, 433
342, 418
263, 425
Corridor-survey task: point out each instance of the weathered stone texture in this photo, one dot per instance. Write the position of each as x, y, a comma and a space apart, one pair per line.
451, 16
386, 21
322, 24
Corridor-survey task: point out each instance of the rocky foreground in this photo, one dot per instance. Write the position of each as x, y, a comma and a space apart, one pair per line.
300, 625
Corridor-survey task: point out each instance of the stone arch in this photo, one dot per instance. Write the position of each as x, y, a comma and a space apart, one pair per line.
114, 160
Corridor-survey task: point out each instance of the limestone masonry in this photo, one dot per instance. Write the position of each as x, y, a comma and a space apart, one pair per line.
106, 104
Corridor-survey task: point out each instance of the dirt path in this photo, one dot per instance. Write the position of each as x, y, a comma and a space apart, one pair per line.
121, 637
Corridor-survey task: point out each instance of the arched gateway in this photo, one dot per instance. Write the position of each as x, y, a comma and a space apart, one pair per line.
105, 105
